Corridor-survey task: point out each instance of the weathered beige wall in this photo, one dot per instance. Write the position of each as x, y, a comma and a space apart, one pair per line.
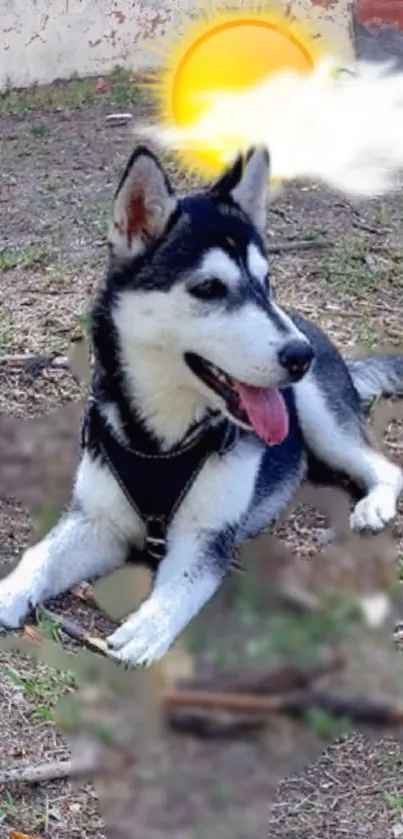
42, 40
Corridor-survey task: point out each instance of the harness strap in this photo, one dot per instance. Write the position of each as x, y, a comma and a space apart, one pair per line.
156, 484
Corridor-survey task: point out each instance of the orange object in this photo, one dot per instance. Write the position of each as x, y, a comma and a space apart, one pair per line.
232, 51
31, 634
15, 834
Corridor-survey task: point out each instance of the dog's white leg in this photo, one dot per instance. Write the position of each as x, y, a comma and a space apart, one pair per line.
340, 443
76, 549
186, 580
379, 506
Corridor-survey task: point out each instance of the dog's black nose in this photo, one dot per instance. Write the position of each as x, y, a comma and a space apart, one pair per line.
296, 357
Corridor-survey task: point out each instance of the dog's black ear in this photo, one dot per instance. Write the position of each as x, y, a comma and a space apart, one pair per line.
247, 182
144, 203
230, 179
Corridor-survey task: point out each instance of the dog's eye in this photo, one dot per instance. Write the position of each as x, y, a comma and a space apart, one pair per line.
212, 289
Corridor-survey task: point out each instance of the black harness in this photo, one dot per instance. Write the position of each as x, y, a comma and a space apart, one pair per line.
155, 484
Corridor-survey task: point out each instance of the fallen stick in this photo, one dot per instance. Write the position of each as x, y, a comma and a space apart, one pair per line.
35, 363
298, 704
299, 245
119, 119
55, 770
73, 630
275, 681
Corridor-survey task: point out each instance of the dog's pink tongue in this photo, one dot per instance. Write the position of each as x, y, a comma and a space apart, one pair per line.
267, 412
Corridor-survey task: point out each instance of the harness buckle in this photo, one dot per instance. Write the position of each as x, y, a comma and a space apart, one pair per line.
155, 540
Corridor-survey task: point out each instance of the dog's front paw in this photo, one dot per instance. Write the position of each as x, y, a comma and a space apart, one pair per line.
14, 604
141, 639
376, 510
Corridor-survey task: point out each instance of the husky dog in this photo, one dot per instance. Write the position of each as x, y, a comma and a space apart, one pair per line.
208, 406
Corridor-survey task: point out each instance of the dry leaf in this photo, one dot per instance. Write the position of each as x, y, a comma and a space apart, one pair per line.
15, 834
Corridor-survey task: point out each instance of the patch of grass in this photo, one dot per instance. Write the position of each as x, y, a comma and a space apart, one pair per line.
58, 273
40, 129
312, 234
29, 256
46, 626
393, 800
123, 89
293, 637
100, 223
350, 267
8, 807
6, 338
118, 89
84, 320
42, 688
326, 725
381, 215
366, 338
220, 658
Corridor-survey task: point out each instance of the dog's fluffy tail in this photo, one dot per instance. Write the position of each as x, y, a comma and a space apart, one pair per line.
376, 376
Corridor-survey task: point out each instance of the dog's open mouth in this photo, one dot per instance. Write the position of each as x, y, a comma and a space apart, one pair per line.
262, 409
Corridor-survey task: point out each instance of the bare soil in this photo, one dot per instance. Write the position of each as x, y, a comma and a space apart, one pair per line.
60, 163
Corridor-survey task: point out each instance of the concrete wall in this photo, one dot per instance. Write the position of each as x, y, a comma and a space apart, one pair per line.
44, 40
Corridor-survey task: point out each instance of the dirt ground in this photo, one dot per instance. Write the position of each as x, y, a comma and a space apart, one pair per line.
60, 163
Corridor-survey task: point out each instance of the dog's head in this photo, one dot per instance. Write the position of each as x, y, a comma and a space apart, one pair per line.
191, 288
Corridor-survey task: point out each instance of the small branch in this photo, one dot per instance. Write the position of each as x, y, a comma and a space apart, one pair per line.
76, 632
298, 704
118, 119
299, 245
34, 364
53, 771
240, 695
367, 228
275, 681
277, 211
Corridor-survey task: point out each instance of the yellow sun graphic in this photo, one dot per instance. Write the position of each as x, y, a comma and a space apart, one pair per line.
227, 50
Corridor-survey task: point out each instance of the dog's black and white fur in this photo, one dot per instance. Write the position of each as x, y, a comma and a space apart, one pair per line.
187, 284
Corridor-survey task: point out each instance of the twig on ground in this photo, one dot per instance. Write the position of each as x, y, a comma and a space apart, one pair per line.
298, 704
52, 771
277, 211
11, 246
358, 222
119, 119
275, 681
35, 363
76, 632
285, 690
367, 228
